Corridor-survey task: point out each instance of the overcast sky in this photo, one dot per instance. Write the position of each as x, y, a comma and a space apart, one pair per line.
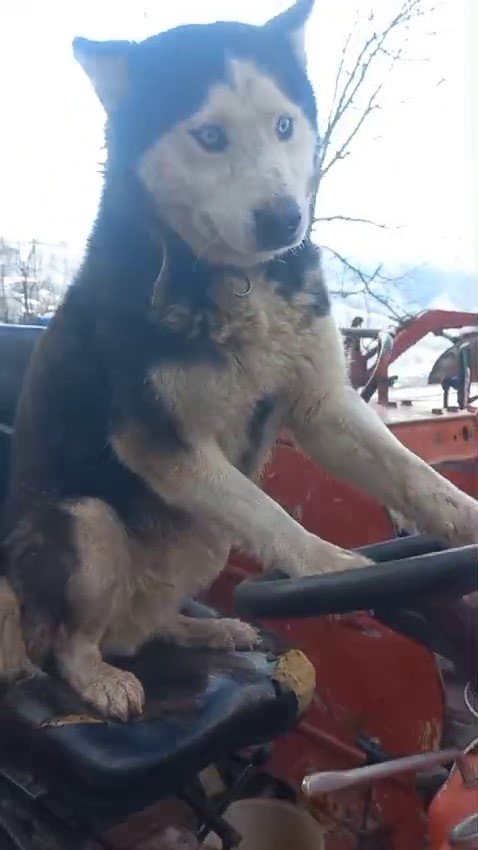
415, 165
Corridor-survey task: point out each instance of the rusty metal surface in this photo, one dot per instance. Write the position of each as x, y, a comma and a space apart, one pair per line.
369, 679
453, 803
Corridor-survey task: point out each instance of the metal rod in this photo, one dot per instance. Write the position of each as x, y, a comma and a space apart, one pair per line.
361, 333
324, 739
465, 834
324, 783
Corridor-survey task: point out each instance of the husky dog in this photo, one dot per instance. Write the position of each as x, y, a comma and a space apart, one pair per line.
198, 327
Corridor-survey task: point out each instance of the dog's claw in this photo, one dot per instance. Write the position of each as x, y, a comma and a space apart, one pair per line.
234, 634
115, 693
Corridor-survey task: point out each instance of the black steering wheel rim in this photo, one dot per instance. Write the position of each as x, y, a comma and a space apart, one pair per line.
397, 581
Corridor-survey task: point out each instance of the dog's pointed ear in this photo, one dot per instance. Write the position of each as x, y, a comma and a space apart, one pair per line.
107, 65
292, 23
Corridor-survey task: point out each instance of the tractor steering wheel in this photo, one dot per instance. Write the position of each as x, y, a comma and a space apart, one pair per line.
415, 567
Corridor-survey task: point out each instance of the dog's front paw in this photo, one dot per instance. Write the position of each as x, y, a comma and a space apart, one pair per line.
320, 557
234, 634
457, 520
115, 693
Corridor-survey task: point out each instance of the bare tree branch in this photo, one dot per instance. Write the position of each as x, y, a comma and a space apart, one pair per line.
371, 286
355, 220
371, 51
343, 150
351, 77
25, 283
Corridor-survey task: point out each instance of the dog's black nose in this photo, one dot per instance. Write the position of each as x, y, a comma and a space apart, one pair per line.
277, 225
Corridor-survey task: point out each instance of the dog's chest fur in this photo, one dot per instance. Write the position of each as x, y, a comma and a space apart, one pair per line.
241, 400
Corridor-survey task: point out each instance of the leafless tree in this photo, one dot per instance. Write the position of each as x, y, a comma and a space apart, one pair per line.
376, 287
4, 307
372, 51
27, 283
8, 254
25, 289
49, 296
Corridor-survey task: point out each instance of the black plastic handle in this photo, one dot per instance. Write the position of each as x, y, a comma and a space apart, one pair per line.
401, 547
395, 582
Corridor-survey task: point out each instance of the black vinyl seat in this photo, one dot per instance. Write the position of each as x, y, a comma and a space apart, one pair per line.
17, 343
200, 705
5, 449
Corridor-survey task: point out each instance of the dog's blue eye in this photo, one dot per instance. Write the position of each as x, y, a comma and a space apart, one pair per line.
285, 127
211, 137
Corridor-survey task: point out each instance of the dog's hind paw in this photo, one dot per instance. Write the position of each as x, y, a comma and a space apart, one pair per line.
13, 658
115, 693
212, 633
234, 634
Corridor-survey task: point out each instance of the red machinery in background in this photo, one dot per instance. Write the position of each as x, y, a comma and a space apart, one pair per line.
448, 367
380, 694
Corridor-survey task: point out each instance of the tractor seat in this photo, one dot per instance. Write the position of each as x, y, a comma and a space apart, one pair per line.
200, 705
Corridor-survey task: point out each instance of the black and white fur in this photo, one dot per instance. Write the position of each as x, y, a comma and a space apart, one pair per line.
198, 327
